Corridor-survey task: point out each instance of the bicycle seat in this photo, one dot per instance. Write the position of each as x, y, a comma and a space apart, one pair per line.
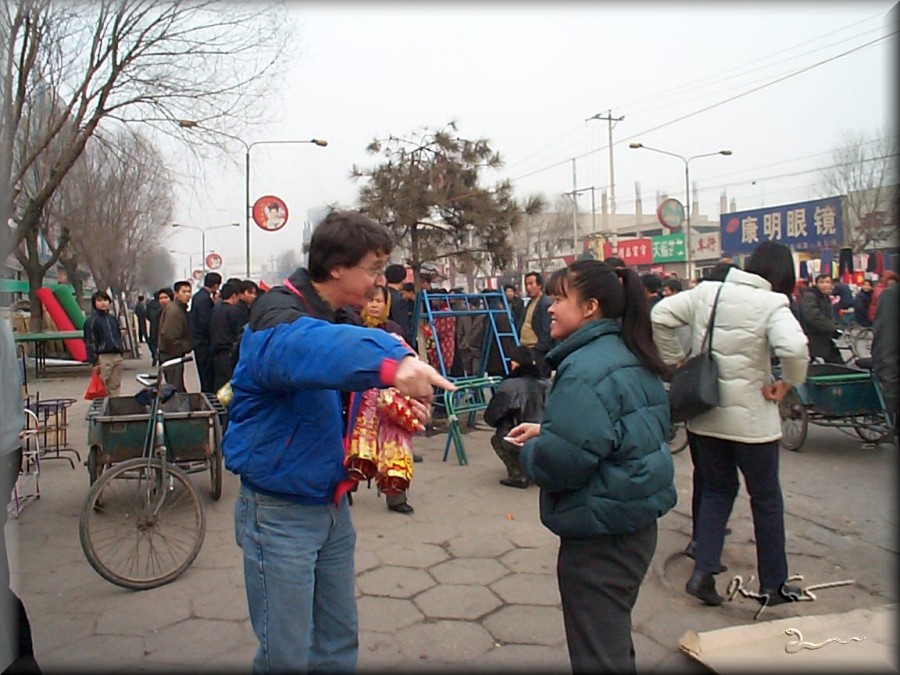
145, 396
146, 379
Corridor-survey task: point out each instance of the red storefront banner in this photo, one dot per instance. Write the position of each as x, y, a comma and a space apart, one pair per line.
631, 251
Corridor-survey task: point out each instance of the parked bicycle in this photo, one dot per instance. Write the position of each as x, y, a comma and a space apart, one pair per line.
143, 523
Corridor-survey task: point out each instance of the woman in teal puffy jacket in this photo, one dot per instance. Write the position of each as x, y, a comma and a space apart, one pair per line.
600, 456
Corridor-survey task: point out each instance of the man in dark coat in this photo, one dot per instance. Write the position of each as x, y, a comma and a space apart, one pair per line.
140, 313
817, 320
886, 349
861, 303
225, 325
200, 316
161, 298
534, 330
516, 304
399, 310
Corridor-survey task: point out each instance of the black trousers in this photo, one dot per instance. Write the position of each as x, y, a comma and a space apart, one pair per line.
16, 650
599, 581
718, 461
205, 360
224, 368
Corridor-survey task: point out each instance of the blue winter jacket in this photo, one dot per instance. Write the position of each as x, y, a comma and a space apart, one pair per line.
285, 427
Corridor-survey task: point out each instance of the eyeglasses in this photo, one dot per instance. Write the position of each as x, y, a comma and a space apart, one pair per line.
373, 271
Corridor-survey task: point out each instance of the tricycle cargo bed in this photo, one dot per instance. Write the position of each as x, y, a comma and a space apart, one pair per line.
118, 427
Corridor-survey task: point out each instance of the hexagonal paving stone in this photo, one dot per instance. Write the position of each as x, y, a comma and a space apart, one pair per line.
479, 546
469, 571
386, 615
133, 620
531, 560
457, 601
394, 582
202, 638
524, 624
528, 589
412, 555
444, 641
365, 561
525, 658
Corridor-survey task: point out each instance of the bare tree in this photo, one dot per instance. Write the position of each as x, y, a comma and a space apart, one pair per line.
427, 189
69, 70
864, 171
155, 269
114, 205
545, 235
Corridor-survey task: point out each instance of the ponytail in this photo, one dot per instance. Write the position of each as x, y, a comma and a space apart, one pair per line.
637, 331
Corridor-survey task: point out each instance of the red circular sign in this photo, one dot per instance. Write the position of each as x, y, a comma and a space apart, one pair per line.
213, 261
670, 213
270, 213
197, 275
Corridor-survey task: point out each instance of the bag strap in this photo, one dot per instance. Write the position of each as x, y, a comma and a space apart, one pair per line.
707, 339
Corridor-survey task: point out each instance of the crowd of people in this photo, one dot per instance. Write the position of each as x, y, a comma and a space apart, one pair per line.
331, 379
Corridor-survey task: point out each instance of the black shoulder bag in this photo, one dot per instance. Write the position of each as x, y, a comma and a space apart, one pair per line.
694, 388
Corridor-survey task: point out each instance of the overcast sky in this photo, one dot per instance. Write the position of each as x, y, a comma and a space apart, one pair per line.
526, 76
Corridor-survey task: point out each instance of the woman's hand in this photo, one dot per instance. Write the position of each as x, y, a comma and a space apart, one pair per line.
524, 432
422, 413
776, 390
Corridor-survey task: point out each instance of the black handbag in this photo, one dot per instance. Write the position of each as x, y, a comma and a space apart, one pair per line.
694, 387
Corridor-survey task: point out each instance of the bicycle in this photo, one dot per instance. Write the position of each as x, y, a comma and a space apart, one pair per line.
146, 502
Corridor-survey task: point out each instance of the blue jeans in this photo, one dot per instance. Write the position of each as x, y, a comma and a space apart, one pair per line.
299, 578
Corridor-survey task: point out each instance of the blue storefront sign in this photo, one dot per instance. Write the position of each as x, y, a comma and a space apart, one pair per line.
802, 226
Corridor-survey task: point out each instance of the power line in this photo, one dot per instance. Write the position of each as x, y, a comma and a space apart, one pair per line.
714, 105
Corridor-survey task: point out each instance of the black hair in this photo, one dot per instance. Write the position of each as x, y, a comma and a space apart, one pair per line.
621, 295
394, 274
819, 277
614, 261
248, 285
342, 240
165, 291
228, 289
409, 287
538, 279
720, 271
181, 284
673, 284
212, 278
370, 294
509, 287
524, 356
773, 262
651, 282
140, 298
233, 280
99, 295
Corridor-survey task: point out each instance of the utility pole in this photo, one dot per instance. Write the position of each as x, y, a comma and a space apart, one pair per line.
574, 210
612, 174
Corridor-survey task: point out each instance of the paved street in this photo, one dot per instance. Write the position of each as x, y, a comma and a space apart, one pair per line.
468, 581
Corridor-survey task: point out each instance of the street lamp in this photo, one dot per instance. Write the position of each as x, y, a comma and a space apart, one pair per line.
190, 257
687, 190
190, 124
203, 231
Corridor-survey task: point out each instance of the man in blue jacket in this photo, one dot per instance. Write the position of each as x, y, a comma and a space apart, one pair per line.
285, 439
103, 340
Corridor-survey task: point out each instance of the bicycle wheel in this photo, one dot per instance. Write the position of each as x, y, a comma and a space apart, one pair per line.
678, 437
794, 421
871, 428
125, 541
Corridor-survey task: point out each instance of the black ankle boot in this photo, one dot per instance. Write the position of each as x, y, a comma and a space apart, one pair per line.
702, 585
779, 596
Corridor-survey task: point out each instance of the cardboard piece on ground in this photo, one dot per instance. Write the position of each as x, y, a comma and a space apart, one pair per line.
761, 646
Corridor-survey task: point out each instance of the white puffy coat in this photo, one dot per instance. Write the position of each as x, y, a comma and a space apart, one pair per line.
752, 322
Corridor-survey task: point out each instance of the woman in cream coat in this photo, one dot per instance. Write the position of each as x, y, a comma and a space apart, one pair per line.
753, 322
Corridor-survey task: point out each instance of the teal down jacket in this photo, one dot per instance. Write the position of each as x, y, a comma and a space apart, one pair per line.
601, 459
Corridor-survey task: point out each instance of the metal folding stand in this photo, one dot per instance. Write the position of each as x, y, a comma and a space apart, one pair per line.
53, 419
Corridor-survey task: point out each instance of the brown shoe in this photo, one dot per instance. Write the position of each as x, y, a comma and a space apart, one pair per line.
520, 483
402, 507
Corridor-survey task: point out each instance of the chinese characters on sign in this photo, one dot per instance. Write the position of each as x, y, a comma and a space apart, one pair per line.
631, 251
802, 226
668, 248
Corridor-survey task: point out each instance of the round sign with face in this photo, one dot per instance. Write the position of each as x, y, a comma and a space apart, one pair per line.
213, 261
197, 275
670, 213
270, 213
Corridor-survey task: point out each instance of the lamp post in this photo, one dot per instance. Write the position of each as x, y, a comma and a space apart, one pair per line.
248, 206
203, 231
190, 257
687, 191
